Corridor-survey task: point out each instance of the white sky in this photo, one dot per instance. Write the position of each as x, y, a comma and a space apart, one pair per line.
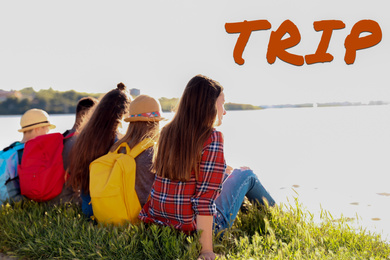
157, 46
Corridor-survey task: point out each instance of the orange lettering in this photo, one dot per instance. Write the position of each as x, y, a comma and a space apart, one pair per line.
353, 42
245, 29
277, 47
327, 26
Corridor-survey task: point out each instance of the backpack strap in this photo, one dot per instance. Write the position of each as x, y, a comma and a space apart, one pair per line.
19, 146
138, 149
141, 146
67, 136
125, 145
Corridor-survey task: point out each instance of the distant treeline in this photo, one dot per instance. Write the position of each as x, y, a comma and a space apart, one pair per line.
58, 102
52, 101
168, 105
234, 106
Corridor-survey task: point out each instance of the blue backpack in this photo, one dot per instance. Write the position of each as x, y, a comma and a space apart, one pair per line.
9, 179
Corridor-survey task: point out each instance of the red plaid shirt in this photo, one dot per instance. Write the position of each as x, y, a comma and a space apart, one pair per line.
177, 203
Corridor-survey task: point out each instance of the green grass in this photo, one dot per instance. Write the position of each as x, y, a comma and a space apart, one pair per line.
35, 231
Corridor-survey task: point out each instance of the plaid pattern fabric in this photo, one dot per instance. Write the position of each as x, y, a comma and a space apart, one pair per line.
177, 203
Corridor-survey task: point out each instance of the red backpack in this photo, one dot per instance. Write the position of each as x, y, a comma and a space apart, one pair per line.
41, 172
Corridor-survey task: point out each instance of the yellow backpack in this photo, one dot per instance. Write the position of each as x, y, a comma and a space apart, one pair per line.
112, 185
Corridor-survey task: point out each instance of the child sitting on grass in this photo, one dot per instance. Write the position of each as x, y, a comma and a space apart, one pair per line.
191, 190
96, 139
144, 117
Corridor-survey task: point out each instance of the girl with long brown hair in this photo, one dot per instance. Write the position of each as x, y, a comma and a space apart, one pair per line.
192, 190
96, 139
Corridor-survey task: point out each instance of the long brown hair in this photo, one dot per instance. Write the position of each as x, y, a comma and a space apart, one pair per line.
181, 141
97, 136
136, 132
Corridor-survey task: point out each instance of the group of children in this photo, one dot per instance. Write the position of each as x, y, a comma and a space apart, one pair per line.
182, 180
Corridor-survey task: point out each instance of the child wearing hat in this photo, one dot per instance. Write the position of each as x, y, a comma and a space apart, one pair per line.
34, 122
144, 117
130, 174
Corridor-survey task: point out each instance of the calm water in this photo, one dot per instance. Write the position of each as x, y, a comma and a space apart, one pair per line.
334, 158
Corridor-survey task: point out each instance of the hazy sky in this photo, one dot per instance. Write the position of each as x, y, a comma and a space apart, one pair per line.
157, 46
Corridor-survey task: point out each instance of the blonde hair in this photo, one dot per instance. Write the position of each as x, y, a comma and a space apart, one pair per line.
138, 131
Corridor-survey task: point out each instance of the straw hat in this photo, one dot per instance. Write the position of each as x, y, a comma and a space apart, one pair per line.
144, 108
34, 118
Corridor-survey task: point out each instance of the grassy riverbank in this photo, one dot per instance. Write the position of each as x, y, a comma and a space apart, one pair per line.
34, 231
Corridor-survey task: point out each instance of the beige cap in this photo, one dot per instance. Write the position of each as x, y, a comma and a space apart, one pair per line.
34, 118
144, 108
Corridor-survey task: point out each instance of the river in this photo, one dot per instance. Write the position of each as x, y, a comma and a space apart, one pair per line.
331, 158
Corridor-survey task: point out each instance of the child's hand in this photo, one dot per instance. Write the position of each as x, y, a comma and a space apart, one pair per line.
244, 168
229, 169
208, 255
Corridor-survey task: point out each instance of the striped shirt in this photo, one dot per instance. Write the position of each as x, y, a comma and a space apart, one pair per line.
176, 203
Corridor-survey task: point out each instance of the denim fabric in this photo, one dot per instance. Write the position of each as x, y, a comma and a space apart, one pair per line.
238, 185
86, 205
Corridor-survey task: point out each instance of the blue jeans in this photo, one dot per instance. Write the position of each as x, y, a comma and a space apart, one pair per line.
238, 185
86, 205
